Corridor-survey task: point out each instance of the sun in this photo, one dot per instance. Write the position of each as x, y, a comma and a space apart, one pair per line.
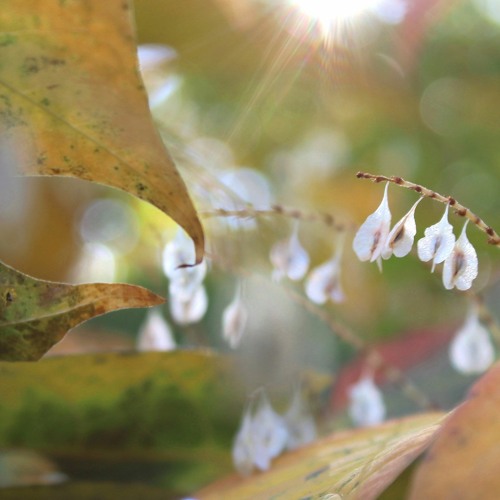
329, 13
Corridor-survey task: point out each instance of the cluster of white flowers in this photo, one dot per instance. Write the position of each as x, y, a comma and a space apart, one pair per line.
375, 241
471, 350
264, 434
291, 260
366, 403
187, 295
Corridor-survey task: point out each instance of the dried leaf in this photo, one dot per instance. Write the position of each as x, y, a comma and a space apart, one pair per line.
36, 314
73, 104
464, 460
356, 464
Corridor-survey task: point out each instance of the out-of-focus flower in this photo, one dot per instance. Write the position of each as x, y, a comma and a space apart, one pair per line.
438, 241
372, 235
289, 258
270, 434
300, 423
184, 281
366, 403
471, 350
155, 334
191, 310
461, 266
243, 448
400, 239
323, 283
261, 437
234, 320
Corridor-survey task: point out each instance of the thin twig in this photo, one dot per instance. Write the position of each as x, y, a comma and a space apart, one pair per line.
461, 210
279, 210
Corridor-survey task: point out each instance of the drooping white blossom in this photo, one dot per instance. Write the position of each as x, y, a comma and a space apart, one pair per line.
300, 423
184, 281
400, 239
370, 239
270, 434
461, 266
289, 258
243, 447
261, 437
234, 320
471, 350
155, 334
323, 282
366, 405
191, 310
438, 241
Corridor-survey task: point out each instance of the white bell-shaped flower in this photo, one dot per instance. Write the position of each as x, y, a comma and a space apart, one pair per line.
155, 334
400, 239
438, 241
300, 423
184, 281
461, 266
372, 235
289, 257
270, 434
190, 310
234, 320
471, 350
323, 282
243, 446
366, 403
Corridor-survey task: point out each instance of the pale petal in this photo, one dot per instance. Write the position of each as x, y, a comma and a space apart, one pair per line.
189, 311
323, 283
438, 241
234, 320
461, 267
269, 434
366, 403
471, 350
400, 239
300, 423
289, 258
243, 457
155, 334
371, 236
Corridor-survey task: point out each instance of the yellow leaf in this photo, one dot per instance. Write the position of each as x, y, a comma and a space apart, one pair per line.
357, 464
464, 461
73, 104
36, 314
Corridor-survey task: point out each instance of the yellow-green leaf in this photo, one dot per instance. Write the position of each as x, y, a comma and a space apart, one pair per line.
73, 104
36, 314
464, 460
357, 464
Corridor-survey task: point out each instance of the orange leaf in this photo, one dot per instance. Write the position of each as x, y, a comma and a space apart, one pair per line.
73, 104
464, 461
36, 314
357, 464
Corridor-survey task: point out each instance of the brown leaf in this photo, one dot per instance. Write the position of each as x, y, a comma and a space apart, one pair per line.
72, 103
36, 314
357, 464
464, 461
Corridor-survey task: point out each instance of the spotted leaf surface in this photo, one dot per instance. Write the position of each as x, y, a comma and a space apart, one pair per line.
36, 314
72, 103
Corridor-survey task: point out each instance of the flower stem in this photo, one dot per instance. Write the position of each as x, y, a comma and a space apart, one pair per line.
459, 209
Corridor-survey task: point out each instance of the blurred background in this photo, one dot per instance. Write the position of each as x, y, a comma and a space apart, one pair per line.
281, 102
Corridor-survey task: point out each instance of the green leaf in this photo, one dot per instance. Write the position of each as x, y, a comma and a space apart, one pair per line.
73, 104
357, 464
466, 445
36, 314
